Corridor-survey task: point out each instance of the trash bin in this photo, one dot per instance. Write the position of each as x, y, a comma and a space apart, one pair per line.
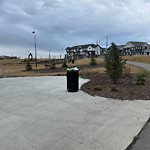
72, 79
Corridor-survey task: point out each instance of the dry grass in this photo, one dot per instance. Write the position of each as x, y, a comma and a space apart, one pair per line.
132, 69
94, 70
135, 69
145, 59
14, 68
85, 61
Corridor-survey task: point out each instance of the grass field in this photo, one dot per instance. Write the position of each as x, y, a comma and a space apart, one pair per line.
145, 59
16, 67
132, 69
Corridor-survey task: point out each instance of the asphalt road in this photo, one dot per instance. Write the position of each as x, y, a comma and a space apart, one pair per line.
142, 140
139, 64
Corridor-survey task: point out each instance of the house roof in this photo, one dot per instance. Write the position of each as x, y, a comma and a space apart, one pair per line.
120, 46
82, 46
137, 43
147, 50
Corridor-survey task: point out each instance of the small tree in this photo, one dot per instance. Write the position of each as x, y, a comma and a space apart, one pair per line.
93, 61
64, 64
114, 63
28, 65
52, 64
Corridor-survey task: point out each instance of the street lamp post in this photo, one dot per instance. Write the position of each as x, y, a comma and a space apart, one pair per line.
35, 48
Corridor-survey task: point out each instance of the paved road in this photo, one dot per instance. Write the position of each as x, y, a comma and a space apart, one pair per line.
139, 64
142, 142
37, 113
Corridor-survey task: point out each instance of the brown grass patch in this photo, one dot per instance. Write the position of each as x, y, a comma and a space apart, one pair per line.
85, 61
145, 59
9, 68
135, 69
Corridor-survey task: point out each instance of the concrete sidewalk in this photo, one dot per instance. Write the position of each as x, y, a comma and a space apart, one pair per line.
37, 113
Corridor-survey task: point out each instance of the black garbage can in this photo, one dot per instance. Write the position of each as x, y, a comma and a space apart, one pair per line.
72, 79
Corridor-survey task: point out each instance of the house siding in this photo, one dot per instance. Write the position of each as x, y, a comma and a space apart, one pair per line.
135, 48
81, 51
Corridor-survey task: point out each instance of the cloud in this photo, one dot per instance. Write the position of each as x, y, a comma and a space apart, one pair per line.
62, 23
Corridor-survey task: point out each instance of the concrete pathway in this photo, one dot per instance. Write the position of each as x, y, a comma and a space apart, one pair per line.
37, 113
139, 64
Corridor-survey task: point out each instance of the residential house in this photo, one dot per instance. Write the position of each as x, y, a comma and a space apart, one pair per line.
120, 48
81, 51
136, 48
8, 57
147, 51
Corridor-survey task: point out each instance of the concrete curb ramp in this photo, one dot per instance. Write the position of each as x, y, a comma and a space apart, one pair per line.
37, 113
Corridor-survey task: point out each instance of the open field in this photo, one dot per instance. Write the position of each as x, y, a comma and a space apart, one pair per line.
145, 59
17, 67
12, 68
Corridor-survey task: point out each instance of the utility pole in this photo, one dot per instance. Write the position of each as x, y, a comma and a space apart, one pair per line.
35, 48
106, 42
49, 54
99, 48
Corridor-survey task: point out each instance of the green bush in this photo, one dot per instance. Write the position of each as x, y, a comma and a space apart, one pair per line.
140, 82
141, 79
93, 61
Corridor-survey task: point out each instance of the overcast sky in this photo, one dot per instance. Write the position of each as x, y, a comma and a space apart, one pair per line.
62, 23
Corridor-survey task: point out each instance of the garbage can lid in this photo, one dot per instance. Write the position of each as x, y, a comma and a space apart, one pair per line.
72, 69
75, 68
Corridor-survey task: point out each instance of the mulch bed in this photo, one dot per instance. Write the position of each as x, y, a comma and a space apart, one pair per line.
125, 89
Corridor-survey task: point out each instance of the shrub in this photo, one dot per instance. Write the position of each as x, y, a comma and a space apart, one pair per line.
93, 61
64, 65
28, 65
52, 64
97, 88
140, 79
140, 82
114, 89
114, 63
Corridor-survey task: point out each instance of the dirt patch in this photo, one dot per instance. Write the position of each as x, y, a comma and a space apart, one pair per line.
126, 89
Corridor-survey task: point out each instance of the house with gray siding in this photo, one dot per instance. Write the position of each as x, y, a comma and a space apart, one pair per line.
81, 51
135, 48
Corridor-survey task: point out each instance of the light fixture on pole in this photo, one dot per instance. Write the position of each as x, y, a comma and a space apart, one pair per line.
35, 48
